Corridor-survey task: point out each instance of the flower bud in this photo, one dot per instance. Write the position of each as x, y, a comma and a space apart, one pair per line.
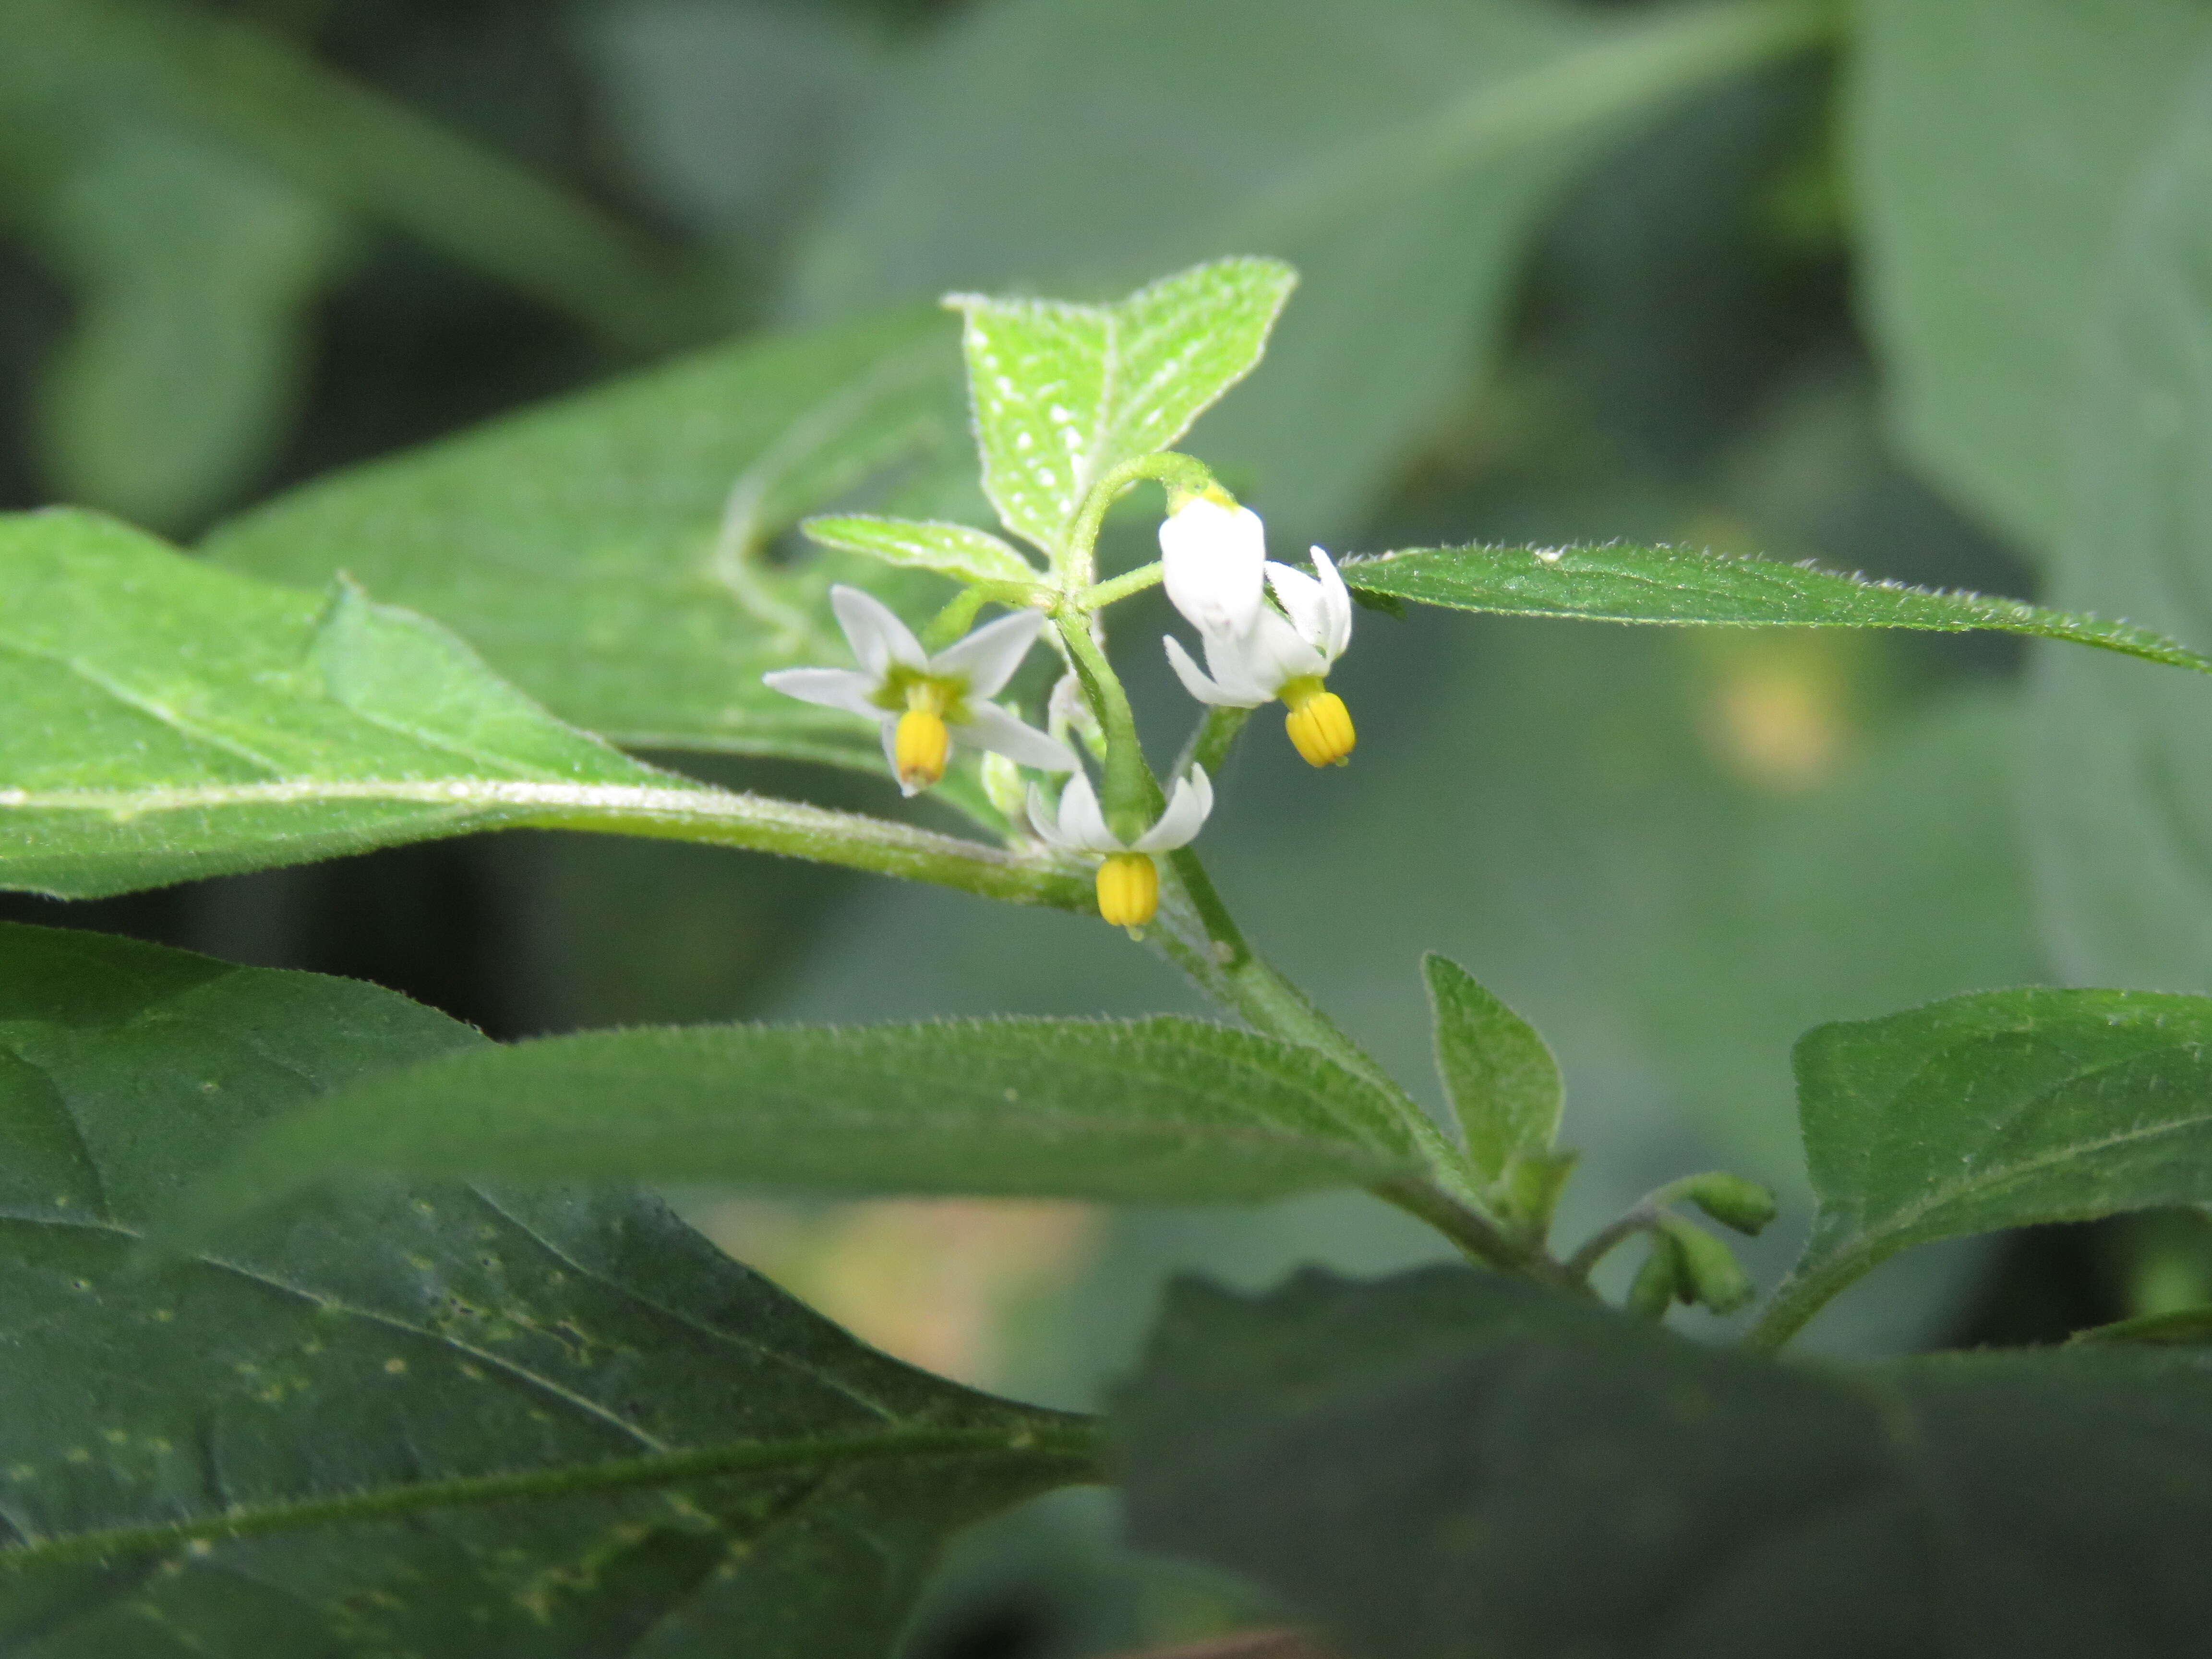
1708, 1268
1731, 1200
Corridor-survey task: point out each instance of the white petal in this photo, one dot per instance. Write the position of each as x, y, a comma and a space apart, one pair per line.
989, 727
1082, 825
1212, 559
878, 637
1337, 604
1302, 600
890, 756
987, 659
1043, 820
1186, 813
833, 688
1274, 651
1195, 682
1237, 668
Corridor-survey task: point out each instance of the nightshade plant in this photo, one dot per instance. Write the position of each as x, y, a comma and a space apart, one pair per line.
276, 1382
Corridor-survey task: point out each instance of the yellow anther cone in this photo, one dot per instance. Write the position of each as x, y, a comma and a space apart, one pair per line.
1321, 729
1128, 888
919, 747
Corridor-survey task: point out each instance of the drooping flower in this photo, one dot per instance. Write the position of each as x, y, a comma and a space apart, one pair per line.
925, 703
1128, 880
1212, 553
1285, 654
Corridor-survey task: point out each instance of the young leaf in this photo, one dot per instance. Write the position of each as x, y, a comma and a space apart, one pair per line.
1165, 1110
174, 720
607, 552
1502, 1081
446, 1422
1063, 393
1985, 238
2003, 1109
1677, 585
1450, 1464
966, 554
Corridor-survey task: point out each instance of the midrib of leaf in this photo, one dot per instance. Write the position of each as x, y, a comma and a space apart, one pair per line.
710, 815
1076, 1440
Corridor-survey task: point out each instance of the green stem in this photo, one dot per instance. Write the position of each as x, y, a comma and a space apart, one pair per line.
1639, 1218
1077, 564
1476, 1234
1073, 1441
1804, 1294
957, 617
1211, 742
1132, 798
1119, 587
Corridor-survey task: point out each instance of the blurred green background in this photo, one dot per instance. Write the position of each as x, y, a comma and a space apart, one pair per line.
1809, 288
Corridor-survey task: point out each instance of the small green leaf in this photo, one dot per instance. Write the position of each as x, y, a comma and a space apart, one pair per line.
1501, 1079
1063, 393
966, 554
609, 552
1165, 1110
1451, 1465
1677, 585
2003, 1109
174, 720
452, 1421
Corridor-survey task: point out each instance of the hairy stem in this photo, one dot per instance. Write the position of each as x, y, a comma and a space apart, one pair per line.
1077, 564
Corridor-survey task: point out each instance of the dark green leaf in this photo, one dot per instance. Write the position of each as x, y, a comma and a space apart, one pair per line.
2189, 1326
1450, 1463
444, 1421
2118, 773
1503, 1083
1999, 1110
1995, 145
1165, 1110
1064, 393
1679, 585
173, 720
609, 552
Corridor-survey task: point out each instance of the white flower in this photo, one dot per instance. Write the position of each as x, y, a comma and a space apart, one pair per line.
1212, 553
924, 703
1129, 880
1285, 654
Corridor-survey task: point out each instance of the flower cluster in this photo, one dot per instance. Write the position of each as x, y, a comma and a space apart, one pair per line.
1214, 564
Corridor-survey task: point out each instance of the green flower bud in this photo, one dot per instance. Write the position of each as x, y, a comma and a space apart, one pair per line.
1731, 1200
1658, 1282
1708, 1266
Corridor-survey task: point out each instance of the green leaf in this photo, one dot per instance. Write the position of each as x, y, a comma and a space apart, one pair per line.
1451, 1464
2188, 1327
1400, 157
1065, 393
951, 549
2003, 1109
446, 1421
2117, 772
1995, 146
609, 552
193, 272
173, 720
1503, 1083
1678, 585
1165, 1110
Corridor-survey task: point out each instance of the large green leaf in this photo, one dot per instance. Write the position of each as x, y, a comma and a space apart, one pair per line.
2118, 768
2002, 1109
1165, 1110
1450, 1463
1399, 157
171, 721
609, 552
1995, 145
1617, 583
439, 1421
1064, 393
